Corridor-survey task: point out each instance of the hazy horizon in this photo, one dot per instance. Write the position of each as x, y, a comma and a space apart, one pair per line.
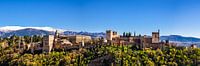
172, 17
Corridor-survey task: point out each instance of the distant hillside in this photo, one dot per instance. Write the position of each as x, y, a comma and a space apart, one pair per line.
33, 31
180, 38
1, 33
27, 32
100, 34
15, 28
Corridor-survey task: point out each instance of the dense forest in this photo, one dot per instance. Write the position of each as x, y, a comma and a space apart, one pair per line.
105, 56
99, 55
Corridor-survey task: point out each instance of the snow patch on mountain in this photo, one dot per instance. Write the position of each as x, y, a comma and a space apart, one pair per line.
15, 28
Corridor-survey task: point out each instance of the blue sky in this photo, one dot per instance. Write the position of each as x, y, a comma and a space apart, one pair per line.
180, 17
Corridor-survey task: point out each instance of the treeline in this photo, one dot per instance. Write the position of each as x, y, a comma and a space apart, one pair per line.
105, 56
13, 40
170, 56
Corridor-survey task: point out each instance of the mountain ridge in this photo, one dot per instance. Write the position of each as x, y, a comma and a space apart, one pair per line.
180, 38
15, 28
40, 31
33, 31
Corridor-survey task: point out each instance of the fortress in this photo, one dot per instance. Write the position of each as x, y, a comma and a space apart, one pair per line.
57, 41
144, 41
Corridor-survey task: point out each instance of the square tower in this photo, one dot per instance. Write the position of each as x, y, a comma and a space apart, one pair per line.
155, 37
109, 35
48, 43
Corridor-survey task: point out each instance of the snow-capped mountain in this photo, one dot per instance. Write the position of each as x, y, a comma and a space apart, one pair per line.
29, 31
22, 31
15, 28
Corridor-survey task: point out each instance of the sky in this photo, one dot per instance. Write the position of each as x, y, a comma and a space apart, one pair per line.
172, 17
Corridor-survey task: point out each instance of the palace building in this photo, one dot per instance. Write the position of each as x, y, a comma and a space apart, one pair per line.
57, 41
142, 41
